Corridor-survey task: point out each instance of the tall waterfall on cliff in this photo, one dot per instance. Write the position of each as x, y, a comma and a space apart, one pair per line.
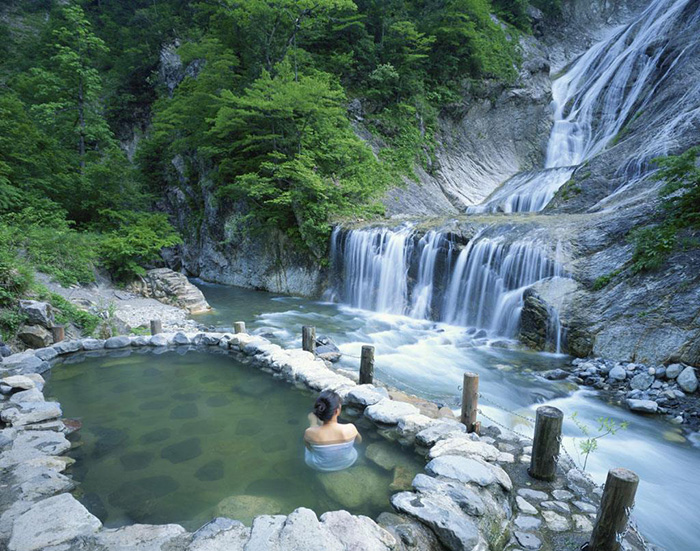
479, 285
592, 102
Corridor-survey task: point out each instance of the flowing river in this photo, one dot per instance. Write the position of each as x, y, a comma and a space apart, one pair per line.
428, 358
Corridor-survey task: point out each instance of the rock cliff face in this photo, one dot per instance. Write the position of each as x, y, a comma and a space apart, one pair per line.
217, 249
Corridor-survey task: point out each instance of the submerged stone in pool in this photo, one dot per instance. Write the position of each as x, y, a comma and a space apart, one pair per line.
182, 451
218, 401
214, 470
245, 508
139, 463
134, 461
185, 411
155, 436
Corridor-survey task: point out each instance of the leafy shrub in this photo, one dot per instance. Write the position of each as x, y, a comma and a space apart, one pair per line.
680, 209
10, 321
67, 312
135, 242
48, 242
15, 276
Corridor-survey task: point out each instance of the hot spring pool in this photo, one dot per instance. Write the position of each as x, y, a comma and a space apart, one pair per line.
188, 435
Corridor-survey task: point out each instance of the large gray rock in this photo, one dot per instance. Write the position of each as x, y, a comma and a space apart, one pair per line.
641, 382
67, 347
642, 406
440, 431
468, 500
265, 533
93, 344
33, 445
302, 531
221, 534
47, 354
19, 382
172, 288
37, 313
365, 395
469, 470
31, 395
389, 411
617, 373
30, 412
52, 521
456, 530
24, 363
139, 537
118, 342
34, 336
687, 380
357, 532
673, 370
410, 534
180, 338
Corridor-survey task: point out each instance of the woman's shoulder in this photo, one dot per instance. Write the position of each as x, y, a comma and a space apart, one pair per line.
349, 430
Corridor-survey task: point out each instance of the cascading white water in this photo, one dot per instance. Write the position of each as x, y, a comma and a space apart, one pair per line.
489, 280
422, 295
483, 289
375, 266
592, 102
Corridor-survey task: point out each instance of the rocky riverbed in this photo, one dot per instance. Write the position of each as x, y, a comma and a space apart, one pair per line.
670, 390
475, 492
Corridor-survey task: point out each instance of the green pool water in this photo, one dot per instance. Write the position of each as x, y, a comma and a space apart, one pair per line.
189, 435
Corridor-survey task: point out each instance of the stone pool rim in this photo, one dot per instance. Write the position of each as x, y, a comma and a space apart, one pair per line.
443, 440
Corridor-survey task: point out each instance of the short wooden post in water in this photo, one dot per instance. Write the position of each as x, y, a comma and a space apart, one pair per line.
470, 401
156, 327
58, 333
614, 512
239, 327
545, 447
308, 338
367, 365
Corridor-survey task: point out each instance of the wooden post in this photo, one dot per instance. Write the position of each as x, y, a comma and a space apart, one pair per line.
156, 327
470, 401
367, 365
58, 332
239, 327
308, 338
545, 447
614, 511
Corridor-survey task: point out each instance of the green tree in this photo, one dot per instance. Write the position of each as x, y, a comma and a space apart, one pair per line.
286, 147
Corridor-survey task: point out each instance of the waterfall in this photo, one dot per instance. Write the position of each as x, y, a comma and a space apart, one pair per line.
398, 272
601, 92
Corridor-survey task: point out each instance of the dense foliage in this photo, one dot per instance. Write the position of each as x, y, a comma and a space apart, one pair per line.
251, 102
680, 211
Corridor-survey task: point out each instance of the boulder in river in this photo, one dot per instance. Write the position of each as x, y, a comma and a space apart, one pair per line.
687, 380
643, 406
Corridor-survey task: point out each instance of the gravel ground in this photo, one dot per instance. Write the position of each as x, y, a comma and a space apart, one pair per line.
130, 310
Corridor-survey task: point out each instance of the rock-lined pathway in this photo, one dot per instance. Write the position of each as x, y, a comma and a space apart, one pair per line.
475, 493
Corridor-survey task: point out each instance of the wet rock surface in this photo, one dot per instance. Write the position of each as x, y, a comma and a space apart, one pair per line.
670, 390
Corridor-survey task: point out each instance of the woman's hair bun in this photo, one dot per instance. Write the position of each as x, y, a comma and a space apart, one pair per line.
326, 405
